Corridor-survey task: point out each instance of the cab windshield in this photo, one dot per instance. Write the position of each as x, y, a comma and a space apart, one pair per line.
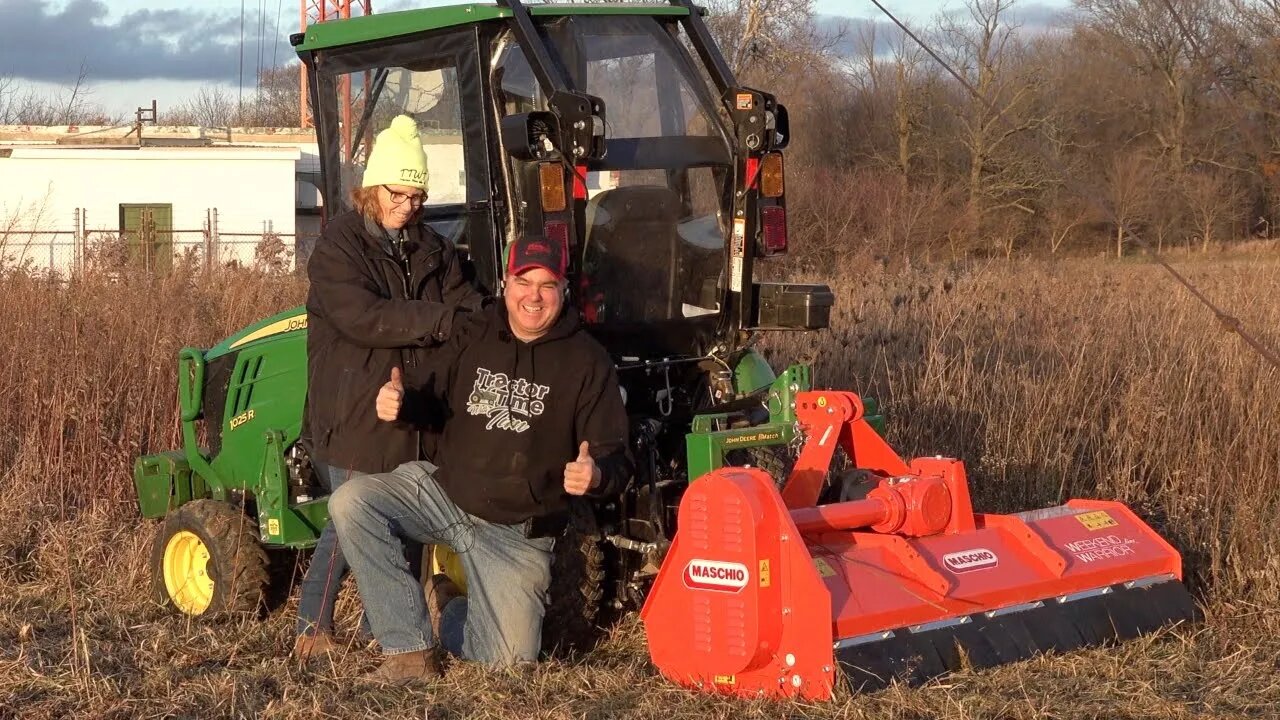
653, 251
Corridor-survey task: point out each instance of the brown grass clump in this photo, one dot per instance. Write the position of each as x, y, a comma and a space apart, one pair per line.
1076, 379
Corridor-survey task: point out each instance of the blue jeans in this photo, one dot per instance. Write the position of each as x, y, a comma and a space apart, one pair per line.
328, 565
507, 573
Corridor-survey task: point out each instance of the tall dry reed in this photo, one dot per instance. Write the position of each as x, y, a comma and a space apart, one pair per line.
1081, 378
88, 379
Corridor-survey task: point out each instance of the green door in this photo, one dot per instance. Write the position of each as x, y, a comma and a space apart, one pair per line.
148, 233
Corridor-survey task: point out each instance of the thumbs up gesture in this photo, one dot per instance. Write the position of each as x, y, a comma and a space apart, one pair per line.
582, 474
390, 397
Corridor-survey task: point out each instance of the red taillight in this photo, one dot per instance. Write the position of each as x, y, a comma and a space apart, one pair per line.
557, 231
773, 221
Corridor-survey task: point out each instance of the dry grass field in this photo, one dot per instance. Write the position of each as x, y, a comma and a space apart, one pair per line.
1076, 378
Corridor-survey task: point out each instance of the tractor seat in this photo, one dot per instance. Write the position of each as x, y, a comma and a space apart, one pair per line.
631, 256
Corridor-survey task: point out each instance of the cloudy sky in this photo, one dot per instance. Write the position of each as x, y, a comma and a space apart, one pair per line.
136, 50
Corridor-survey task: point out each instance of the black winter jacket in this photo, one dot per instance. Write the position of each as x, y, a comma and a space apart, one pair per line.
366, 313
514, 413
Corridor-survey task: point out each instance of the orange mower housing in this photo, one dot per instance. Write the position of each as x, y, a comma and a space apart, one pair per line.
766, 593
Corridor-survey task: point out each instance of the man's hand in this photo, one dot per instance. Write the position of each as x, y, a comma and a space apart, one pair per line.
390, 397
582, 474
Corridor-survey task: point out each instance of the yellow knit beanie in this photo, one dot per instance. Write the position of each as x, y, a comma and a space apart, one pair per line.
397, 157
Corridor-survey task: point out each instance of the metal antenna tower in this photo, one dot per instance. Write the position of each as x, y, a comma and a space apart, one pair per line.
318, 11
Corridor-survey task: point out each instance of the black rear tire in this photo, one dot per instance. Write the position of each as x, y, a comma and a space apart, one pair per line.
777, 460
842, 483
575, 597
225, 561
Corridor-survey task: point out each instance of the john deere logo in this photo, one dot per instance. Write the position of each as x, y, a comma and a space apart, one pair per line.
716, 575
969, 560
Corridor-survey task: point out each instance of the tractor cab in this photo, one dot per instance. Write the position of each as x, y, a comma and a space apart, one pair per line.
617, 131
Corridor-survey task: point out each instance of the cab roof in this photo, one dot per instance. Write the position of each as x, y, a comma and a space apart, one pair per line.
338, 33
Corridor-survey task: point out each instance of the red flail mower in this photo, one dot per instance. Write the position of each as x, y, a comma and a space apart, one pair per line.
765, 592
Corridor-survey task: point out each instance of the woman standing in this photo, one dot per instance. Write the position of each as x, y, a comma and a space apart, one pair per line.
385, 290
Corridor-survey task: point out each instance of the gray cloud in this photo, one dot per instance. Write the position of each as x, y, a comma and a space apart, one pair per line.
851, 34
43, 42
1030, 18
1042, 17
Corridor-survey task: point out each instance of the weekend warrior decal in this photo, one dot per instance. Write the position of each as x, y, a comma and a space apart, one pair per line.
509, 404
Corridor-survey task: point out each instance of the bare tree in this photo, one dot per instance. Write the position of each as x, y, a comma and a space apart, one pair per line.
210, 106
1148, 37
891, 100
908, 102
275, 104
1128, 189
991, 126
1249, 69
8, 91
1168, 217
71, 105
759, 37
1065, 214
20, 225
77, 97
1212, 200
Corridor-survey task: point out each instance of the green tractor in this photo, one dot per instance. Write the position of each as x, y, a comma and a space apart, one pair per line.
618, 129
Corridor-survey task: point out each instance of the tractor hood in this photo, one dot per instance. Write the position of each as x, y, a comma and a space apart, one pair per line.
292, 320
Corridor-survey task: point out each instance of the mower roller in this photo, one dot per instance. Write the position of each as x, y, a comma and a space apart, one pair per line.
766, 592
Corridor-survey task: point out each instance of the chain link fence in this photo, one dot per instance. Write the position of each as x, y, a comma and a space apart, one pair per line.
157, 249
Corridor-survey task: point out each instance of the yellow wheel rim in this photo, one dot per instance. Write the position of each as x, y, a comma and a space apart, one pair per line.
444, 560
187, 574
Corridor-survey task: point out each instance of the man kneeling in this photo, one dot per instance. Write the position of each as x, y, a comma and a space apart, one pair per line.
534, 416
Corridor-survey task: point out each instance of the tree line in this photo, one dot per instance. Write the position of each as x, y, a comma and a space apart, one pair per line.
1128, 121
1149, 119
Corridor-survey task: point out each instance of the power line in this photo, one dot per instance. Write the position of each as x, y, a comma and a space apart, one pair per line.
257, 45
275, 36
240, 96
931, 53
262, 20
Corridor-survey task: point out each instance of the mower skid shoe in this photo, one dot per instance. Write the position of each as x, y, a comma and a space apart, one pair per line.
747, 603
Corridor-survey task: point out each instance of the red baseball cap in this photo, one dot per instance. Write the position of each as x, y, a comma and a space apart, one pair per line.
536, 251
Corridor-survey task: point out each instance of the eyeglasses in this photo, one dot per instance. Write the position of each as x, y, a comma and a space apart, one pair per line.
398, 198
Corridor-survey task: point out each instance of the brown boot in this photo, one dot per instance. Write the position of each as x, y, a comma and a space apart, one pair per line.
310, 646
440, 590
420, 666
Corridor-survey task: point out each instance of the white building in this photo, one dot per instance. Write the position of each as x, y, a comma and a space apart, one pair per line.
64, 189
67, 190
